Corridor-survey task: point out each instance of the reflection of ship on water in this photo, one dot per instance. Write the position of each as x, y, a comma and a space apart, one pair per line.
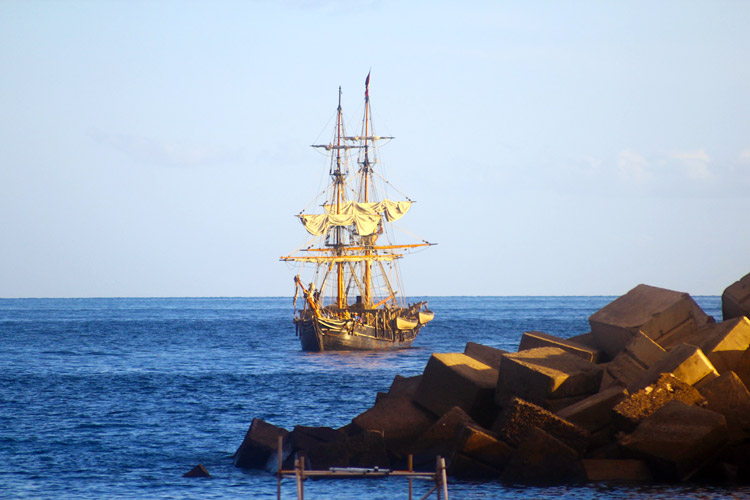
355, 299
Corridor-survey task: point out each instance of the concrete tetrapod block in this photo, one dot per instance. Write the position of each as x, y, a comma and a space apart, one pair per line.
398, 419
663, 315
735, 301
477, 453
455, 379
617, 470
595, 412
686, 362
490, 356
532, 340
542, 459
545, 373
631, 411
723, 343
729, 396
519, 416
261, 440
629, 366
678, 438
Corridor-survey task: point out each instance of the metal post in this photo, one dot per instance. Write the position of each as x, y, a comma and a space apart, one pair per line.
411, 469
443, 478
278, 470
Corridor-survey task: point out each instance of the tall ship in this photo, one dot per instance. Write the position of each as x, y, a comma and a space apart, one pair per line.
353, 298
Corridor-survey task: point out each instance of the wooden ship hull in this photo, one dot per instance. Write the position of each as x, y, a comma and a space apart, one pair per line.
319, 334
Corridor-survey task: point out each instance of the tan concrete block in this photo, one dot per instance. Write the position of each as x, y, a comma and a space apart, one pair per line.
723, 343
678, 438
490, 356
657, 312
630, 365
545, 373
398, 419
439, 438
532, 340
543, 459
261, 440
686, 362
729, 396
479, 445
735, 301
632, 410
455, 379
520, 416
612, 470
594, 412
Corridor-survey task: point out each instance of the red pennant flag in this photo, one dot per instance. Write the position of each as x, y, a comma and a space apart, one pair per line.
367, 85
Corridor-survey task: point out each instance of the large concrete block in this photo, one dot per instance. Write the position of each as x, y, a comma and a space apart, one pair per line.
532, 340
397, 418
477, 453
631, 411
490, 356
614, 470
665, 316
735, 301
261, 441
543, 459
438, 439
595, 412
366, 449
678, 438
686, 362
520, 416
454, 379
723, 343
404, 386
545, 373
729, 396
630, 365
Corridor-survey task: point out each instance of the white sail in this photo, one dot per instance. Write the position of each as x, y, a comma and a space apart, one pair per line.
365, 216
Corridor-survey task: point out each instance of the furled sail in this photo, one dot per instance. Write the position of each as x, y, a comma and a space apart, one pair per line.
365, 216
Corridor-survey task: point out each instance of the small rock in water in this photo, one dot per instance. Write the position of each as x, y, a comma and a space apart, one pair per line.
197, 471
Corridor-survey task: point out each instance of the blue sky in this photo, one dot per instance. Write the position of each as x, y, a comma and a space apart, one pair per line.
160, 148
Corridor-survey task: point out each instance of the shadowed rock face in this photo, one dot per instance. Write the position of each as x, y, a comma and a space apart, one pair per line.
656, 408
662, 315
735, 301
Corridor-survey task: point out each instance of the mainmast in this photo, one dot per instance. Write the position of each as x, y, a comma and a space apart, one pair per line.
338, 187
368, 240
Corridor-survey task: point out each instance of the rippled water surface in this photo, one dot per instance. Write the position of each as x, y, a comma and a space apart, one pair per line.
117, 398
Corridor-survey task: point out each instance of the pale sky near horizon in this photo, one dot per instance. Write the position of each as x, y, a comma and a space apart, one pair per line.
161, 148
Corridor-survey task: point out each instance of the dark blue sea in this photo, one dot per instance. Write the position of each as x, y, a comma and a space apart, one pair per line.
117, 398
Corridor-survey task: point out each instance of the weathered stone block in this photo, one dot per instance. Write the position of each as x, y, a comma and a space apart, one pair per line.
454, 379
678, 438
686, 362
366, 449
630, 365
397, 418
544, 373
594, 412
474, 445
532, 340
729, 396
490, 356
723, 343
404, 386
437, 440
632, 410
735, 301
622, 470
261, 440
542, 459
519, 416
663, 315
588, 340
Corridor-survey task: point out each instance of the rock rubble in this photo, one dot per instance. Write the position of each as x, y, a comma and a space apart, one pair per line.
657, 390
